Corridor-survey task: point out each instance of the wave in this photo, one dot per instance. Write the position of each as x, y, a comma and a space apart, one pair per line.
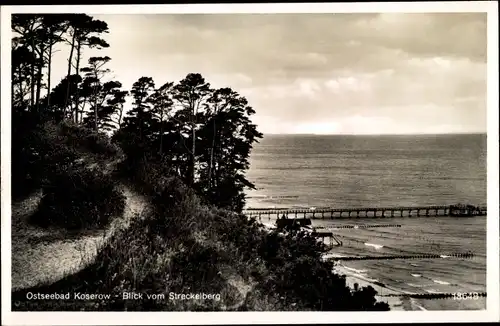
432, 291
274, 197
374, 245
389, 248
414, 303
360, 271
441, 282
415, 285
416, 275
331, 255
365, 278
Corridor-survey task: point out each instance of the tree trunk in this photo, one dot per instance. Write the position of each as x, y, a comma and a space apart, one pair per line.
32, 80
12, 94
77, 91
39, 78
49, 72
161, 132
217, 160
22, 91
211, 158
84, 103
38, 86
120, 117
195, 106
193, 151
95, 109
69, 73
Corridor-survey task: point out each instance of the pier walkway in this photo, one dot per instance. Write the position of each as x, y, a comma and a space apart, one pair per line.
371, 212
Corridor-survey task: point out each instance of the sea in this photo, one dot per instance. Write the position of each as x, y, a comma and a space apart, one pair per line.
344, 171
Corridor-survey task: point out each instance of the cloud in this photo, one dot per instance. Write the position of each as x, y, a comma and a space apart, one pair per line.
340, 72
428, 34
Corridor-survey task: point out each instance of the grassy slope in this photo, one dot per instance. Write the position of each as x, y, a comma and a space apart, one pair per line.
183, 246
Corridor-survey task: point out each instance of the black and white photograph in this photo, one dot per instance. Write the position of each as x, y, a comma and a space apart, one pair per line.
265, 160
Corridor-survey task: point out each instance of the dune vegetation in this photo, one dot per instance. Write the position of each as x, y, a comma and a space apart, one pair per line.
184, 146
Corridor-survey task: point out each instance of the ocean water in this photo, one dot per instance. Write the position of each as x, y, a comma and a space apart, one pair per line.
386, 171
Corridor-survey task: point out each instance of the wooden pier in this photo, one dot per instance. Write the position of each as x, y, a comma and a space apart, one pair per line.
372, 212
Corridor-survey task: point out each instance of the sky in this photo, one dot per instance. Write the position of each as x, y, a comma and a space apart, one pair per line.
394, 73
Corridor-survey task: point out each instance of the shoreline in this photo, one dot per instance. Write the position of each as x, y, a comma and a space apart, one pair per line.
395, 303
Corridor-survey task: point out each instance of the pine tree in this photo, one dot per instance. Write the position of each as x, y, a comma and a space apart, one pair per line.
191, 94
84, 33
94, 73
162, 103
228, 137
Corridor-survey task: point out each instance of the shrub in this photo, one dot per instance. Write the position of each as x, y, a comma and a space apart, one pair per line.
79, 198
297, 277
41, 149
37, 151
88, 139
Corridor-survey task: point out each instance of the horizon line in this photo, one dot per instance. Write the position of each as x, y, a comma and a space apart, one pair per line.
374, 134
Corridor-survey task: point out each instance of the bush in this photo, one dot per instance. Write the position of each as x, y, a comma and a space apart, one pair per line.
79, 198
36, 151
88, 139
295, 257
41, 149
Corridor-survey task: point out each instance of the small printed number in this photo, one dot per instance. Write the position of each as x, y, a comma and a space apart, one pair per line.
465, 296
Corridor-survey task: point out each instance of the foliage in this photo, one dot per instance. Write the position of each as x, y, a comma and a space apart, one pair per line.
206, 135
184, 246
79, 199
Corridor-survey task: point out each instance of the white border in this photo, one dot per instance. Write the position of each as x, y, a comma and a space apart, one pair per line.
180, 318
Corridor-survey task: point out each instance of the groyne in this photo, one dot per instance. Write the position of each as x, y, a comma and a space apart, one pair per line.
392, 257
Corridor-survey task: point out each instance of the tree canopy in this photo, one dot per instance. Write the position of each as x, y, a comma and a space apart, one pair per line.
204, 135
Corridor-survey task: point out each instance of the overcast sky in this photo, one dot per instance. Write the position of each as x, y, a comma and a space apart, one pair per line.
318, 73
